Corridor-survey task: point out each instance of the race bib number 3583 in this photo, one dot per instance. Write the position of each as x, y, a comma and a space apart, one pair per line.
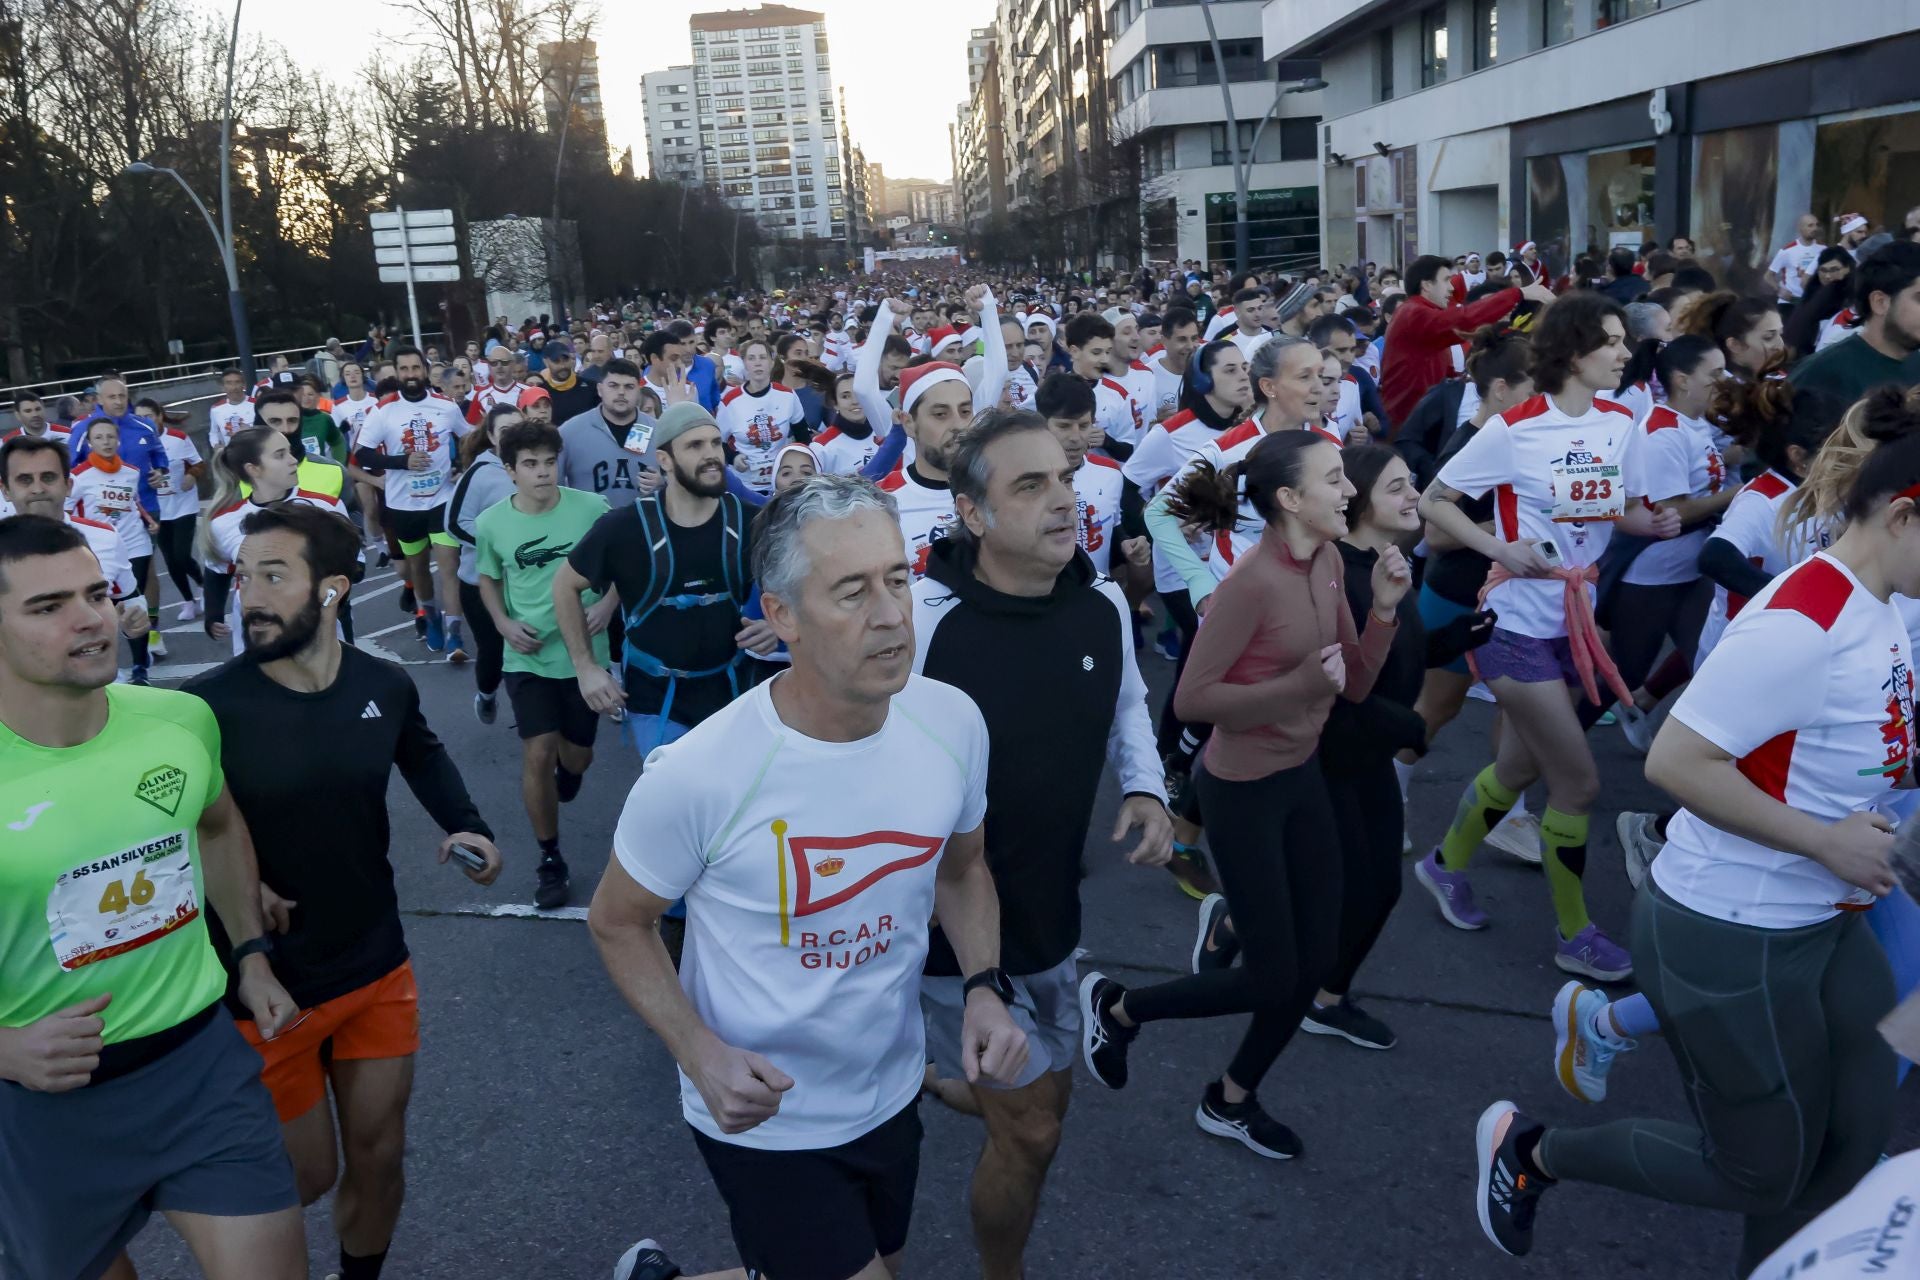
108, 906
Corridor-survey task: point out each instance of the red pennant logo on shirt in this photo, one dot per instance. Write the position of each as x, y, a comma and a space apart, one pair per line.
818, 873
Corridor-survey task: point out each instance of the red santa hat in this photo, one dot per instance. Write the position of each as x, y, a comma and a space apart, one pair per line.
1521, 249
922, 378
937, 339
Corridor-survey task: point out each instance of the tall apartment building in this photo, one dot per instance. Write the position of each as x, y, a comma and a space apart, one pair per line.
1165, 89
1460, 125
667, 101
570, 81
1054, 88
763, 90
979, 146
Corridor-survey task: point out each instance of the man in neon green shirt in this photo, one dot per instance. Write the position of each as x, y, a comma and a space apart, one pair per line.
127, 1087
521, 544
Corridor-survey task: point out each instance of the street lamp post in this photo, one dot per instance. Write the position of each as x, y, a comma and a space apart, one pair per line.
236, 304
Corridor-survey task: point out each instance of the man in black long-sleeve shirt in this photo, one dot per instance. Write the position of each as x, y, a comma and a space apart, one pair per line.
311, 729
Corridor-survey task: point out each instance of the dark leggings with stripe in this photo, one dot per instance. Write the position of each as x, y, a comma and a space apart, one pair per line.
490, 647
1790, 1085
175, 539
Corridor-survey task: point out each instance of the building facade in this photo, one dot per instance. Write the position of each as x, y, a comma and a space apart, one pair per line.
1168, 106
769, 122
1583, 124
673, 124
979, 152
1055, 108
570, 85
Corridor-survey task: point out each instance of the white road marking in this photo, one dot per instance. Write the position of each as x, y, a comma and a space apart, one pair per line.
515, 911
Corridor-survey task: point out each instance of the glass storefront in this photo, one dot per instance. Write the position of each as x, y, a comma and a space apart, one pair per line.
1589, 201
1283, 226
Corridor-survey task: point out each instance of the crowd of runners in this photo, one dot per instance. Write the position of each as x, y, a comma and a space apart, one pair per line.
928, 532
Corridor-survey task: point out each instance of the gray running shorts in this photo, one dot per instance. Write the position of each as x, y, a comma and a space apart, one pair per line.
80, 1172
1047, 1008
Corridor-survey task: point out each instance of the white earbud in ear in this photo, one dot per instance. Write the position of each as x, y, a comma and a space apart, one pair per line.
331, 593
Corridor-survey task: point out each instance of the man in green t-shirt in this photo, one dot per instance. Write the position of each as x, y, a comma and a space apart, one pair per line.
520, 544
1886, 349
135, 1091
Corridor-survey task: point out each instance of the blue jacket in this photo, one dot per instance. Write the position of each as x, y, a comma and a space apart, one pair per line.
140, 445
706, 381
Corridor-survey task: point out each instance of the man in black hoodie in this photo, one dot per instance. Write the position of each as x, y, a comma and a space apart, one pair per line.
1012, 612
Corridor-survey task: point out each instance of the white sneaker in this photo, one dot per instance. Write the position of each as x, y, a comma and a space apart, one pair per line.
1637, 726
1581, 1056
189, 611
156, 645
1639, 845
1517, 835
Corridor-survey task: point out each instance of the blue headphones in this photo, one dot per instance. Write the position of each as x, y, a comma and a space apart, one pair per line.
1198, 372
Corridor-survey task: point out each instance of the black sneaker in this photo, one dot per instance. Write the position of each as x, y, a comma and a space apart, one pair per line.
1179, 776
138, 676
1103, 1041
567, 783
384, 559
1351, 1023
1246, 1123
406, 600
554, 888
645, 1261
1214, 945
1507, 1194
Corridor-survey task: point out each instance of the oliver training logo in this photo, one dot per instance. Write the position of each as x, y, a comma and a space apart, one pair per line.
162, 788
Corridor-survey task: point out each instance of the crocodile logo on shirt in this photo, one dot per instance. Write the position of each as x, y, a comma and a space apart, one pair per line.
533, 555
162, 788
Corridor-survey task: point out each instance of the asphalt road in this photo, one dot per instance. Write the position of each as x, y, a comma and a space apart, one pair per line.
545, 1133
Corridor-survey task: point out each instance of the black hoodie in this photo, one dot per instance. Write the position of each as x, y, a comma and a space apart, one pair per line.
1055, 679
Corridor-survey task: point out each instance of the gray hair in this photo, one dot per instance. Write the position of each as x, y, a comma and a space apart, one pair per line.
1642, 319
970, 474
1268, 355
779, 556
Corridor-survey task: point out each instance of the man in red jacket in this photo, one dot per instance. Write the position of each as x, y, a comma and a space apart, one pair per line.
1425, 329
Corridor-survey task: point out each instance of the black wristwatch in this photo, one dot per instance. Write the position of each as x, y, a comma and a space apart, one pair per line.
260, 946
994, 980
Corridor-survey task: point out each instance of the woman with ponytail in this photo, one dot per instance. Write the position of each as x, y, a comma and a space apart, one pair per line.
484, 481
1747, 331
1280, 644
1765, 977
259, 463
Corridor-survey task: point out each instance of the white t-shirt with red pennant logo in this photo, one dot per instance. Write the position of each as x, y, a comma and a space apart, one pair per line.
808, 905
1555, 478
1811, 692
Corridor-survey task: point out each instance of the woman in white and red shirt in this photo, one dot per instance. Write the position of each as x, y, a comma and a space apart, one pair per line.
1766, 977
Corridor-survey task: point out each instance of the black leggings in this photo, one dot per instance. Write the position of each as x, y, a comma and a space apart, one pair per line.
1179, 612
1645, 618
1372, 821
1272, 841
175, 538
489, 648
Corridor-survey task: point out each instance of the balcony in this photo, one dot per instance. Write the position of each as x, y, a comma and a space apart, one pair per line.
1183, 24
1200, 104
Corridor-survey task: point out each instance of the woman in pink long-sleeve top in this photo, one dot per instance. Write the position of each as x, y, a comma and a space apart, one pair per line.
1276, 646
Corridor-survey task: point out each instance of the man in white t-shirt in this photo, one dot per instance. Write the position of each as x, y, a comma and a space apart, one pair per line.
1794, 265
795, 1018
232, 412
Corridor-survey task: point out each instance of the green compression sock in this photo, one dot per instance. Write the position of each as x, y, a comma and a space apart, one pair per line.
1482, 805
1564, 836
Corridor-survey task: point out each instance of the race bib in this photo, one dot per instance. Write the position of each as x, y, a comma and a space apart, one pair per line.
1587, 491
109, 906
116, 500
424, 484
162, 481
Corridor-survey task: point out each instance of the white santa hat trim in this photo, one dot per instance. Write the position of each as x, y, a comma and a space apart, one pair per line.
926, 382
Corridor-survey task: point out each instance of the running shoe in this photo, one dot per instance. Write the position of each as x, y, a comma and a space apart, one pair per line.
1582, 1055
1518, 836
1592, 954
189, 610
566, 783
1451, 891
1246, 1123
138, 676
485, 707
1507, 1195
156, 645
1640, 844
436, 630
1636, 726
1177, 771
1103, 1042
554, 888
457, 650
407, 603
645, 1261
384, 559
420, 624
1191, 872
1351, 1023
1214, 946
1167, 644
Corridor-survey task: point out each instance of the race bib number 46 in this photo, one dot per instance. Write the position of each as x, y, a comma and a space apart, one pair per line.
1588, 491
109, 906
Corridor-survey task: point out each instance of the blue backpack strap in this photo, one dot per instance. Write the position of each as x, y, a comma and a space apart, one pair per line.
733, 553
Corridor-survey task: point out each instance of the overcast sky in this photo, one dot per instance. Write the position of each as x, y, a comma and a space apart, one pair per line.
904, 66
